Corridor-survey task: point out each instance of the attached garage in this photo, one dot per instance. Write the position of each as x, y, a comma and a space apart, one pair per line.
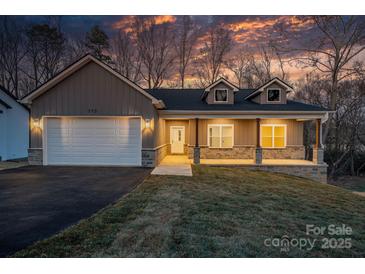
91, 115
92, 141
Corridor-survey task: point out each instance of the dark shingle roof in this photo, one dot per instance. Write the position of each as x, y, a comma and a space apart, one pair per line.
190, 99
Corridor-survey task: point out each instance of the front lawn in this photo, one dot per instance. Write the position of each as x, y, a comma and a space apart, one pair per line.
219, 212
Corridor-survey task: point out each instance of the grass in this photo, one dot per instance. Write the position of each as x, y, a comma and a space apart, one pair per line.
219, 212
13, 164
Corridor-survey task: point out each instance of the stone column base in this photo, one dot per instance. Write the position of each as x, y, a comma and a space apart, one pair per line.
318, 155
35, 156
196, 155
258, 155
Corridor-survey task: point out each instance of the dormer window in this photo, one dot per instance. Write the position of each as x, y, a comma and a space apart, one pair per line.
221, 95
273, 95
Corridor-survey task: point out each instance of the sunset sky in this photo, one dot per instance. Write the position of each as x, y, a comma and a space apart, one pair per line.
249, 32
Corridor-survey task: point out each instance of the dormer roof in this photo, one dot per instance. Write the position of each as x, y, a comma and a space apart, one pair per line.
222, 80
267, 84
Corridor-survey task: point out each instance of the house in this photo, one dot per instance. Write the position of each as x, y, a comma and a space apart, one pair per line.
91, 115
14, 127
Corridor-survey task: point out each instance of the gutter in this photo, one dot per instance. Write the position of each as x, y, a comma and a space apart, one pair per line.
242, 112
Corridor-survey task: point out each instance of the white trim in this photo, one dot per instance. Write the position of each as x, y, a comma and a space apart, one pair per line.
220, 134
183, 115
262, 88
273, 102
182, 137
44, 133
73, 68
220, 102
91, 116
273, 136
221, 80
44, 141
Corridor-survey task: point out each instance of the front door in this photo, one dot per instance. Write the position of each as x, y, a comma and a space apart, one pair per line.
177, 139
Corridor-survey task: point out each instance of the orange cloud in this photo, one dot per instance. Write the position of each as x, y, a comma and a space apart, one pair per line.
251, 25
162, 19
126, 22
251, 30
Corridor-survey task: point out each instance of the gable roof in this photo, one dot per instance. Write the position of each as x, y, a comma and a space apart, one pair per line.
221, 80
262, 87
8, 93
77, 66
190, 100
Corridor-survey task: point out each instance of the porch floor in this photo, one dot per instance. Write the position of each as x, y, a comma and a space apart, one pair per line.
183, 159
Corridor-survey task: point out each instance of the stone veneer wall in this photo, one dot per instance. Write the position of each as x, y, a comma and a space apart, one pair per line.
237, 152
35, 156
314, 172
290, 152
152, 157
247, 152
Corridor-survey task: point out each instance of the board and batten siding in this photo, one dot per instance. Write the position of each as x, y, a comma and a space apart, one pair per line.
93, 91
245, 130
262, 97
230, 93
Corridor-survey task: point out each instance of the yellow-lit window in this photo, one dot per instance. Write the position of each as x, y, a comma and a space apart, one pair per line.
273, 136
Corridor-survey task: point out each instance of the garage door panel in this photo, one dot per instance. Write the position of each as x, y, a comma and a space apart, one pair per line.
93, 141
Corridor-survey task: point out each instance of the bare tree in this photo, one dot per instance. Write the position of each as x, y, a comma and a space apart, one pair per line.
11, 55
252, 70
154, 44
212, 55
185, 40
332, 51
45, 48
125, 56
240, 66
344, 149
74, 50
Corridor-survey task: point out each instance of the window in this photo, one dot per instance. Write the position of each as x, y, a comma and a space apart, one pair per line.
273, 136
220, 136
273, 95
220, 95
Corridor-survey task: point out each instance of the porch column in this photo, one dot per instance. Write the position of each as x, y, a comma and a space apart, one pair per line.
258, 149
318, 149
196, 147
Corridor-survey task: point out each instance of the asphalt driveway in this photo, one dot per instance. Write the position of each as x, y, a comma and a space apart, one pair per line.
37, 202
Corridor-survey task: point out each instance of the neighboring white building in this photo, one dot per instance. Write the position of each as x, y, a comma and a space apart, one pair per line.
14, 127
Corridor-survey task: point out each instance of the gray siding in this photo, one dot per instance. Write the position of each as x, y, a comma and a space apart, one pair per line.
93, 91
210, 96
262, 97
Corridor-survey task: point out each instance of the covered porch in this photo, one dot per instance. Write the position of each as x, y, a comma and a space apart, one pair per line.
245, 141
268, 144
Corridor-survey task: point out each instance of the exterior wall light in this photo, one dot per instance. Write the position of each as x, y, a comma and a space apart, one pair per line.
36, 123
148, 123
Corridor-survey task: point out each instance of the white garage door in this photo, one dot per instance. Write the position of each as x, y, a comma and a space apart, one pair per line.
93, 141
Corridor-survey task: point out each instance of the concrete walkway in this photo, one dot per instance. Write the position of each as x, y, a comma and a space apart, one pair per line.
178, 165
